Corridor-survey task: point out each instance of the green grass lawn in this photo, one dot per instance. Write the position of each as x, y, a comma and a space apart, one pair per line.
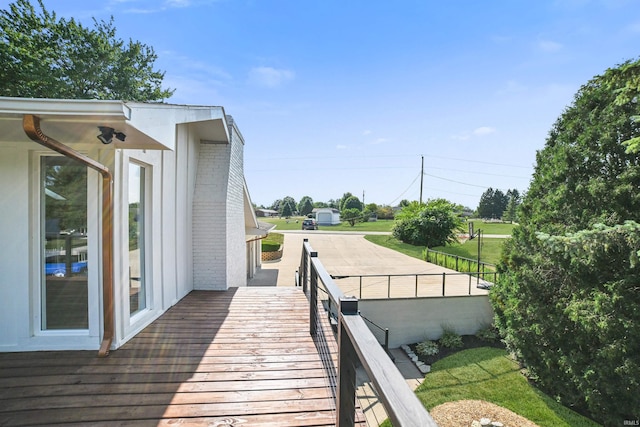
489, 374
491, 227
395, 244
272, 242
490, 251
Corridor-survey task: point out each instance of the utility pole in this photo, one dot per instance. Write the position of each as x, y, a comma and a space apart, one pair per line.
421, 178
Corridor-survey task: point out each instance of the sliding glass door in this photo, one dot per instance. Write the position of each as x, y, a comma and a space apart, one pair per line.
64, 289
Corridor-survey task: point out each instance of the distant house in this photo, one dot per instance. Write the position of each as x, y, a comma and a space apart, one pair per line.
327, 216
266, 213
111, 212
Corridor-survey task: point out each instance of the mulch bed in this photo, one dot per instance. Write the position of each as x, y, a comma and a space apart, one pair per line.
468, 342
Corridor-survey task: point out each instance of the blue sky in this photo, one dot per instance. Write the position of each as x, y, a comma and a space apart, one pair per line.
346, 96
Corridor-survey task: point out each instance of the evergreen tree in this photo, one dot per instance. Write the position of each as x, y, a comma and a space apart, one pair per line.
567, 299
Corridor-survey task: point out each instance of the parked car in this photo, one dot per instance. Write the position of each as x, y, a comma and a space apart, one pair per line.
309, 224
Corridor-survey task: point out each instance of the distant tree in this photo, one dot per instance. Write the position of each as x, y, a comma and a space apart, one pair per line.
404, 202
42, 56
320, 205
351, 203
305, 206
287, 209
351, 215
288, 200
385, 212
492, 204
335, 204
342, 200
276, 205
467, 211
430, 224
511, 211
369, 211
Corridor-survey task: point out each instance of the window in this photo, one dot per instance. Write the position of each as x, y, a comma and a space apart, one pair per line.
137, 285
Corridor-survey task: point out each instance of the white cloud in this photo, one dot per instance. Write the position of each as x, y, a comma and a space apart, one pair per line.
366, 132
462, 136
465, 135
634, 28
484, 130
548, 46
380, 140
270, 77
341, 147
177, 3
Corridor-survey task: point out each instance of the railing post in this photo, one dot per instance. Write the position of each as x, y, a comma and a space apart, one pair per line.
305, 266
389, 286
313, 297
443, 276
347, 362
386, 340
416, 286
360, 294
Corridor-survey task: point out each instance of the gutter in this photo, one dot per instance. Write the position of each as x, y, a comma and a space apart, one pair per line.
31, 126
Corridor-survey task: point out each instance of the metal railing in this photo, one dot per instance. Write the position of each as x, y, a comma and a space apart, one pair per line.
357, 345
457, 262
421, 281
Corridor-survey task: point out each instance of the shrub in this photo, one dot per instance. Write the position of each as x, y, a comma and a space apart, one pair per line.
450, 339
434, 223
488, 333
427, 348
270, 247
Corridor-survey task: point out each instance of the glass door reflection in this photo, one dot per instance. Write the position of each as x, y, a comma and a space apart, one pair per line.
137, 287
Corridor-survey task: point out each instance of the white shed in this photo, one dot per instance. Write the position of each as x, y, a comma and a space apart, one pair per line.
327, 216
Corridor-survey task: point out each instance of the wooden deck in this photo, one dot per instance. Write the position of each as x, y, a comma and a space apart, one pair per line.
243, 357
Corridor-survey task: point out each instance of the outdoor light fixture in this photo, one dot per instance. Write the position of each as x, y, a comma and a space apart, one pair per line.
107, 134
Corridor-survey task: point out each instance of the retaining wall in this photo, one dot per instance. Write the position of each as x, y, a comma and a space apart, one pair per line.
412, 320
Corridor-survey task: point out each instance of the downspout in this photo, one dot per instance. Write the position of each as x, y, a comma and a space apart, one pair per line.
31, 126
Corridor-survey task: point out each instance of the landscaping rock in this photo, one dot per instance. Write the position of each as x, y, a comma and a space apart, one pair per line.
475, 423
497, 424
425, 369
485, 422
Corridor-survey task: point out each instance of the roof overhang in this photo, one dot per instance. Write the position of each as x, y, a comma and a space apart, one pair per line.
146, 125
252, 228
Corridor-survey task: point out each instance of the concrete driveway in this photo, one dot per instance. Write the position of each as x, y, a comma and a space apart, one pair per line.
350, 254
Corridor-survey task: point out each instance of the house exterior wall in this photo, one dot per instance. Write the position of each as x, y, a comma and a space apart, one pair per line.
218, 216
195, 196
236, 237
14, 247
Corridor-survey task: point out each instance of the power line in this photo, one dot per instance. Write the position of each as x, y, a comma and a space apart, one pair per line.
401, 194
397, 156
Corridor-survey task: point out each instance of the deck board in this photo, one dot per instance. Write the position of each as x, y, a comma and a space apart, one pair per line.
241, 357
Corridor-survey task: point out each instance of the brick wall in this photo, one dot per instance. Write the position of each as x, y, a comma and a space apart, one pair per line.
219, 247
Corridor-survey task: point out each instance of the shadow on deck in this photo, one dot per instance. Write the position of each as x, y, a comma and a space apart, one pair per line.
236, 358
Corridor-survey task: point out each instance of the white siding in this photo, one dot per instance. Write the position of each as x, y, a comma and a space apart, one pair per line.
14, 247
